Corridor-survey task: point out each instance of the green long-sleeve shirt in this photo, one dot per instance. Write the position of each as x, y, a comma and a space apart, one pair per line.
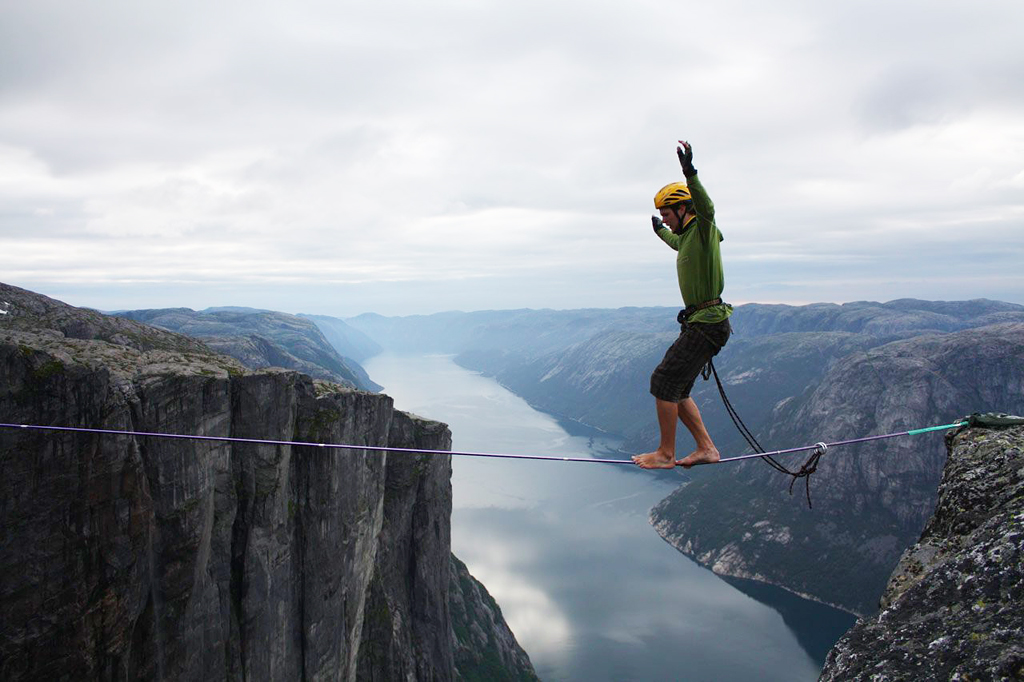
699, 262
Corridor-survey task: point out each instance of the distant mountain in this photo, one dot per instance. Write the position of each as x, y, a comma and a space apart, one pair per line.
261, 339
604, 381
495, 339
594, 365
347, 340
892, 319
235, 309
797, 375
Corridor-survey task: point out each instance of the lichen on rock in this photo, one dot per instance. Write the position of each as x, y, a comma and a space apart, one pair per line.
953, 607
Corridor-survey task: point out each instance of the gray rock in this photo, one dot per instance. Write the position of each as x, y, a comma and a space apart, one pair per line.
952, 609
485, 648
142, 557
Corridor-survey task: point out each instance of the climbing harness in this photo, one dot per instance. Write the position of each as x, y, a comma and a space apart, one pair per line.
686, 313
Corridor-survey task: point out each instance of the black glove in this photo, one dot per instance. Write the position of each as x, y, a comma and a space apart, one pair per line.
685, 154
656, 223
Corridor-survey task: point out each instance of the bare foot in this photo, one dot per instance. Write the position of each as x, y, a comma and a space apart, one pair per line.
655, 460
699, 456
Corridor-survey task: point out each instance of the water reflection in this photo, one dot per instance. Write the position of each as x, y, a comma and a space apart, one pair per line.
803, 617
589, 588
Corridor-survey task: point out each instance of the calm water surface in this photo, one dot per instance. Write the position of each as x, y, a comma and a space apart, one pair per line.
589, 588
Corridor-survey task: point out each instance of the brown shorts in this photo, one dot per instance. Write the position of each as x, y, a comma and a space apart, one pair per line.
673, 379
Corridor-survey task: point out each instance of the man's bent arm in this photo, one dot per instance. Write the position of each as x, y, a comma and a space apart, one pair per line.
669, 237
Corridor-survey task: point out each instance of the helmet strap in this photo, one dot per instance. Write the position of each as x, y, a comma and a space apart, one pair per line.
680, 211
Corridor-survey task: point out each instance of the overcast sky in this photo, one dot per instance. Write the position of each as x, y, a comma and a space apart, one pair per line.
411, 157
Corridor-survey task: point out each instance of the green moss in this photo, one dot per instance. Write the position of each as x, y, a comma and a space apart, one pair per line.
191, 505
48, 369
321, 423
484, 664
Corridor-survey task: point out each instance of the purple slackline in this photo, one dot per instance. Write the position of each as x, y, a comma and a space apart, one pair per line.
336, 446
380, 448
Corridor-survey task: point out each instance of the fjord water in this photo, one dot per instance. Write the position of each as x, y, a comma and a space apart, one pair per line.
586, 584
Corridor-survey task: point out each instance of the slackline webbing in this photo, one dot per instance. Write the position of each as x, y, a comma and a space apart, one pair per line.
380, 448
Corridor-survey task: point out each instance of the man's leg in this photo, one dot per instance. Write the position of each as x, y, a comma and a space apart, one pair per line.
665, 456
706, 452
675, 377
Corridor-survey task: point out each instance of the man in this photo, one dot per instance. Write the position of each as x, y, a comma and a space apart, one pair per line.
687, 224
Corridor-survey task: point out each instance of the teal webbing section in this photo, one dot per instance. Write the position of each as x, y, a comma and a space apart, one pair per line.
936, 428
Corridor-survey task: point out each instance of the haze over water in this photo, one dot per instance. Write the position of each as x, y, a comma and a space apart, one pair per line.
591, 591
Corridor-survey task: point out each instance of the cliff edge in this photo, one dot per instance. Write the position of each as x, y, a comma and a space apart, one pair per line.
133, 557
952, 608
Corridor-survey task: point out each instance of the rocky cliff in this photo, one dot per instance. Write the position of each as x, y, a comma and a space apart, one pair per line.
952, 608
130, 557
485, 648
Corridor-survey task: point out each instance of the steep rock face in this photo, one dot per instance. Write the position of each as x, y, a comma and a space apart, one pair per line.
952, 608
131, 557
485, 648
870, 499
407, 586
155, 558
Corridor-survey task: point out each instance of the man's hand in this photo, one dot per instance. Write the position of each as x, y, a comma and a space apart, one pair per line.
685, 154
656, 223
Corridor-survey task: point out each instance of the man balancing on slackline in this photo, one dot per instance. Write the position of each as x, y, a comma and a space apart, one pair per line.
687, 224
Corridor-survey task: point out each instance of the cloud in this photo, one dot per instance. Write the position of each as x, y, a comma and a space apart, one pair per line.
331, 146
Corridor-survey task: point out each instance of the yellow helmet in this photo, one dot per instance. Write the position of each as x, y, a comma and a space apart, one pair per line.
672, 193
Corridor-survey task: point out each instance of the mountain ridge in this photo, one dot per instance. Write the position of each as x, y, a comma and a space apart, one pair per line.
772, 369
261, 339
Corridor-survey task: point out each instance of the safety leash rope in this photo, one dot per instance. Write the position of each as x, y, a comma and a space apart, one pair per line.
805, 470
808, 467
